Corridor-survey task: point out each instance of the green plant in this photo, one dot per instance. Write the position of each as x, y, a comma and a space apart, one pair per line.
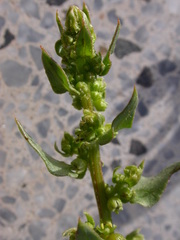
81, 76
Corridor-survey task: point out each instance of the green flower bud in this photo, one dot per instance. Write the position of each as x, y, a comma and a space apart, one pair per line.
82, 87
99, 85
74, 20
125, 193
96, 95
115, 236
68, 145
114, 204
80, 166
133, 174
109, 190
100, 105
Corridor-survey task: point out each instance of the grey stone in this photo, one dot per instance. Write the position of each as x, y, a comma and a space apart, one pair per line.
7, 215
124, 31
145, 78
147, 232
98, 4
113, 17
14, 74
9, 108
142, 109
1, 103
104, 169
166, 66
38, 94
48, 20
115, 141
71, 191
30, 8
149, 166
36, 56
2, 22
174, 6
23, 106
65, 222
141, 35
152, 8
122, 218
115, 163
22, 53
59, 204
46, 213
8, 38
150, 55
176, 137
43, 109
157, 237
60, 183
103, 35
137, 148
8, 199
115, 152
55, 2
27, 34
2, 158
133, 20
62, 112
36, 231
43, 127
24, 195
74, 118
51, 97
125, 47
168, 154
165, 49
88, 196
35, 81
178, 30
1, 180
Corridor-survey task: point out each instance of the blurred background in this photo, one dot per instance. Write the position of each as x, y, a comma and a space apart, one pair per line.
35, 205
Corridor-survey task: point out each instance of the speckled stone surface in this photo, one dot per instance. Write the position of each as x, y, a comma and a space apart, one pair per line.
35, 205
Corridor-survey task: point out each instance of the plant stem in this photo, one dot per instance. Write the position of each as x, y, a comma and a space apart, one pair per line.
95, 169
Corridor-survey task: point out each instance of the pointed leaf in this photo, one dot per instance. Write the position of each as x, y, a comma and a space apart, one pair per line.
106, 137
125, 118
86, 11
55, 167
106, 60
60, 26
85, 232
59, 151
135, 235
90, 219
149, 189
56, 75
84, 45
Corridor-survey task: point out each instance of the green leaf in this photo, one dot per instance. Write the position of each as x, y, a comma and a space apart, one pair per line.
149, 189
90, 219
84, 232
56, 75
86, 11
106, 60
55, 167
84, 45
125, 118
60, 26
106, 137
135, 235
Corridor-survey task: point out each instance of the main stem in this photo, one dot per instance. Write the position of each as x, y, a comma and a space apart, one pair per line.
95, 168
